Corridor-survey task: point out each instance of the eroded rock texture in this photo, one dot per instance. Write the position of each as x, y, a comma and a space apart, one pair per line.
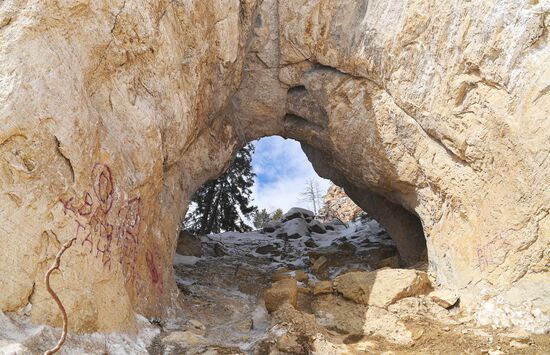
113, 113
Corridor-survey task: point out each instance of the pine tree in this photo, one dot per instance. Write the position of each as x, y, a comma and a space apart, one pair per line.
219, 201
277, 214
260, 218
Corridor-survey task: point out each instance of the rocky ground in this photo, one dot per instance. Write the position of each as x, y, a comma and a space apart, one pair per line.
301, 287
296, 287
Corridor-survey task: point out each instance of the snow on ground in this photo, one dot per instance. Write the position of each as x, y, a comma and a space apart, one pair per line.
18, 336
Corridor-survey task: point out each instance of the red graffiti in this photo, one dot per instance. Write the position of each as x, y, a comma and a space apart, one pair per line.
131, 218
103, 231
86, 208
493, 252
103, 186
152, 267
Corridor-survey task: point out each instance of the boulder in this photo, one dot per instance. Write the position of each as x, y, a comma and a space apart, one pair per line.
268, 249
347, 248
310, 243
282, 235
219, 250
280, 292
383, 287
348, 317
316, 227
281, 274
288, 344
189, 244
336, 313
270, 226
297, 212
295, 228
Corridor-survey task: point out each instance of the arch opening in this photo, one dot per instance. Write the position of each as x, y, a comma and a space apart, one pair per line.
235, 272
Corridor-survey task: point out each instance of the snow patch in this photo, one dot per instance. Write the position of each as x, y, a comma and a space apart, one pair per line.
186, 259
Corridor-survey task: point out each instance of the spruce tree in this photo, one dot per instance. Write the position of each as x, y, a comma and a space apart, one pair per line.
219, 201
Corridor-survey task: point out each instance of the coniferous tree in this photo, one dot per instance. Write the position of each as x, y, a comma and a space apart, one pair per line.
261, 217
219, 201
277, 214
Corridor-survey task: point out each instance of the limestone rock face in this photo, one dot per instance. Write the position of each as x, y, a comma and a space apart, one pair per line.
106, 128
433, 116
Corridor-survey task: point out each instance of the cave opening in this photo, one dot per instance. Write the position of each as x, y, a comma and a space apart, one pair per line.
226, 279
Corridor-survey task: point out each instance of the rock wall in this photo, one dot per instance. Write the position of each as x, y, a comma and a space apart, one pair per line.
107, 126
113, 113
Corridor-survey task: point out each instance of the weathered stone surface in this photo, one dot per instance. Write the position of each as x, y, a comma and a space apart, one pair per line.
348, 317
380, 322
322, 288
433, 115
383, 287
443, 297
296, 212
186, 338
316, 227
282, 291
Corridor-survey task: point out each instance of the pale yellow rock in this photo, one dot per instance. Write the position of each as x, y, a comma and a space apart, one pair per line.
380, 322
282, 291
383, 287
444, 297
301, 276
186, 338
322, 287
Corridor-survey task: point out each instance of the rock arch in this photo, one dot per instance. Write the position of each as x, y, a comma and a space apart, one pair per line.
401, 102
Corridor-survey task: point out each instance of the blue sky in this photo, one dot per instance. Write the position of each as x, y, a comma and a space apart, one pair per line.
282, 170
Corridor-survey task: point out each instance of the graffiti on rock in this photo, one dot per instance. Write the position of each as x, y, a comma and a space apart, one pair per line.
100, 228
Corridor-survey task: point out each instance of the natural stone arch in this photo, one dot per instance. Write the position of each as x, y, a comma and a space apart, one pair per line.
418, 111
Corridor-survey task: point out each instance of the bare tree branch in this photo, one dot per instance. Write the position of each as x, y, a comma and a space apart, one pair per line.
55, 266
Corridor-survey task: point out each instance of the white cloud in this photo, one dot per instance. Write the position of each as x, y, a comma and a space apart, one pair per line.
282, 171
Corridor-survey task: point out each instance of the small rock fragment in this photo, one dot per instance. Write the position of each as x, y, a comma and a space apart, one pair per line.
183, 337
322, 287
518, 345
444, 297
301, 276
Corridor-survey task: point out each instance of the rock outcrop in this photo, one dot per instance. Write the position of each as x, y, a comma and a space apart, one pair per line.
432, 116
336, 204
